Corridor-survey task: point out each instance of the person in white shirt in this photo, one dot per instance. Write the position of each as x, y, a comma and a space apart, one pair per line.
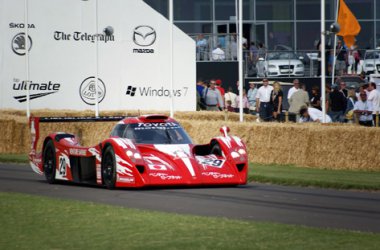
363, 108
263, 105
295, 88
230, 96
374, 98
312, 115
218, 54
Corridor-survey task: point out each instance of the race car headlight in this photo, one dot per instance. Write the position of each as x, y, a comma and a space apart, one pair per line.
129, 153
235, 155
299, 65
242, 151
137, 156
132, 155
271, 66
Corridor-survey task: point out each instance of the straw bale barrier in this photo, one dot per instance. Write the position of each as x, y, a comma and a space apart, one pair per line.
331, 146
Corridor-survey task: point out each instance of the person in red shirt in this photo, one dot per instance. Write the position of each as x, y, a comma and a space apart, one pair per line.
219, 87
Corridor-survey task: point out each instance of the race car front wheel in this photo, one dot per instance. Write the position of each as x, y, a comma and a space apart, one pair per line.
49, 161
109, 168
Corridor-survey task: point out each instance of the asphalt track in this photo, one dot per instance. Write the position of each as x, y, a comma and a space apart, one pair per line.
353, 210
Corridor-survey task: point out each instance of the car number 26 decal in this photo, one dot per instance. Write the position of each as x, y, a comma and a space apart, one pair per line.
211, 162
62, 166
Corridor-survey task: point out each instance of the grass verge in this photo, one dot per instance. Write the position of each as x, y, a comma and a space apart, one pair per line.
288, 175
15, 158
301, 176
32, 222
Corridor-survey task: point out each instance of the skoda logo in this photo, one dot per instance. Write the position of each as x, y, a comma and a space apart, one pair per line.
87, 90
18, 44
144, 35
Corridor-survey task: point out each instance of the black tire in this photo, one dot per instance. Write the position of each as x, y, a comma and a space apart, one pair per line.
215, 149
109, 168
50, 162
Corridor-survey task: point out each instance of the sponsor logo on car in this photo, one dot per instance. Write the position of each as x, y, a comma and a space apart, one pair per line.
155, 92
126, 179
82, 36
87, 90
19, 44
164, 176
144, 36
77, 151
42, 89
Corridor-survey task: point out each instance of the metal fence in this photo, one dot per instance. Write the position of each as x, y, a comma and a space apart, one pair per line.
259, 62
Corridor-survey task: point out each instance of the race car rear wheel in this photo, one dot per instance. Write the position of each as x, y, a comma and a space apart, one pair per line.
109, 168
49, 162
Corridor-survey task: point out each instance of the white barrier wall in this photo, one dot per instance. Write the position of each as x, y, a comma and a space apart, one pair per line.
133, 63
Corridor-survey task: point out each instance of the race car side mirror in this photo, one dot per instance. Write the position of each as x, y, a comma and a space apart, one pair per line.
225, 130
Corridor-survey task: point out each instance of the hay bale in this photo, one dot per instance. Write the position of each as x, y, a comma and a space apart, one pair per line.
332, 146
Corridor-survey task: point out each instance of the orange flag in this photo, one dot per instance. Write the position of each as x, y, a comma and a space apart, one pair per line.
349, 25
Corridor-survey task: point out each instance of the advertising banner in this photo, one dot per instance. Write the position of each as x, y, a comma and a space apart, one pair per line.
133, 63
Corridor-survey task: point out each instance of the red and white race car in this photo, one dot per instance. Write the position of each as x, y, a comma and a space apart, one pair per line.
150, 150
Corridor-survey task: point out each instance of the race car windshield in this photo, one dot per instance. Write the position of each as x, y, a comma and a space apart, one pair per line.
152, 133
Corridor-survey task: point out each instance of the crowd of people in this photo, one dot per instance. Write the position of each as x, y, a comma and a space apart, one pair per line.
343, 104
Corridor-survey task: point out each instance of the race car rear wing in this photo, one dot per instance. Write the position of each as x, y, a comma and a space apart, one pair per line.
34, 124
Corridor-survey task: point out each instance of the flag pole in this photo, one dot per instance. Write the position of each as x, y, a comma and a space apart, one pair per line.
240, 57
96, 60
335, 40
171, 57
323, 59
27, 59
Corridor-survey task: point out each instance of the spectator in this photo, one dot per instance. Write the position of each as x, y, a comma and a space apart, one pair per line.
351, 100
253, 53
295, 88
315, 100
263, 105
230, 96
337, 104
252, 92
245, 103
363, 109
253, 58
229, 106
218, 54
357, 56
200, 86
374, 98
219, 87
260, 65
200, 101
312, 115
343, 89
297, 100
328, 101
201, 47
341, 59
212, 97
276, 100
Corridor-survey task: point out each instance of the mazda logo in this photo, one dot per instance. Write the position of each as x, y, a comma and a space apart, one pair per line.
144, 35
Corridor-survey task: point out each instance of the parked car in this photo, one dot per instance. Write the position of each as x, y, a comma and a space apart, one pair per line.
371, 63
282, 63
